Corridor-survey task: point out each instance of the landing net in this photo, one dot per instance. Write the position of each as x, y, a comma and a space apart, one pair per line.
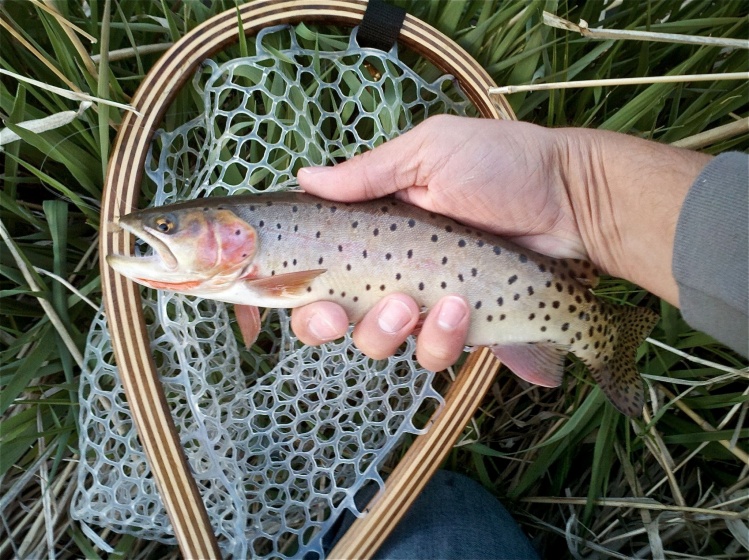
281, 437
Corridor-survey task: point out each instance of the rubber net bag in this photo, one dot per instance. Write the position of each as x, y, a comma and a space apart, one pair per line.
280, 437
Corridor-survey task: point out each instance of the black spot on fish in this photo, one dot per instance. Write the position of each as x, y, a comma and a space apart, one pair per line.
279, 237
480, 243
285, 264
398, 276
269, 203
542, 267
244, 255
296, 228
502, 317
559, 287
497, 250
548, 283
421, 286
319, 261
294, 208
443, 285
543, 328
317, 235
500, 301
272, 272
309, 288
570, 289
393, 227
489, 318
523, 258
531, 316
348, 267
376, 232
444, 260
252, 208
261, 223
547, 317
354, 224
578, 299
460, 277
555, 304
512, 279
293, 262
516, 297
388, 256
343, 294
237, 232
364, 253
333, 209
382, 287
474, 272
578, 335
530, 290
278, 226
356, 298
461, 243
565, 326
572, 308
588, 297
448, 229
435, 238
478, 305
541, 304
384, 209
411, 222
330, 291
368, 287
340, 248
318, 206
410, 253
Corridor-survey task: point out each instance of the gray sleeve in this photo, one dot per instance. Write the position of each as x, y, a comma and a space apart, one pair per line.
711, 252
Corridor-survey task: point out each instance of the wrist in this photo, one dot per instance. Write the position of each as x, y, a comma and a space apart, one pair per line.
626, 194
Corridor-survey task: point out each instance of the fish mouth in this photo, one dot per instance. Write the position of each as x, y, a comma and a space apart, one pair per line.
149, 267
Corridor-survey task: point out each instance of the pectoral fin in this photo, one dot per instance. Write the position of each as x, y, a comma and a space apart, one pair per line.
540, 364
285, 285
248, 319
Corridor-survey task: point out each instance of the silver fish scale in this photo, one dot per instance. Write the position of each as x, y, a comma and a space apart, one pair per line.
376, 248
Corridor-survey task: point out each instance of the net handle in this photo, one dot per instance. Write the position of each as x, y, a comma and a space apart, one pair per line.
122, 300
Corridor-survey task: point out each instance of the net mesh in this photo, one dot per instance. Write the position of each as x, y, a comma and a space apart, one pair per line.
280, 437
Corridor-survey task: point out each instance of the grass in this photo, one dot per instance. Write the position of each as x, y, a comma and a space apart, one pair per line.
577, 476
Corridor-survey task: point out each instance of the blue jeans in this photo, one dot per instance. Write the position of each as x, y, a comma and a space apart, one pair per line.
455, 518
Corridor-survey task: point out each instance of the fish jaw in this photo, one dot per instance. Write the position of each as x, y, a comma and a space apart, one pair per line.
160, 270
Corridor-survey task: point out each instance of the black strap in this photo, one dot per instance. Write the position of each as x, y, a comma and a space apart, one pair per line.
380, 25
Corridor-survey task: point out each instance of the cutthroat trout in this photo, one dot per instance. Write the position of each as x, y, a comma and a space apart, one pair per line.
290, 249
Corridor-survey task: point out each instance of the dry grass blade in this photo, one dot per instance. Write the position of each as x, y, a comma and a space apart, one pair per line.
632, 35
505, 90
714, 135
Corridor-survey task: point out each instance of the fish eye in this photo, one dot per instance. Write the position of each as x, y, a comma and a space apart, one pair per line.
164, 224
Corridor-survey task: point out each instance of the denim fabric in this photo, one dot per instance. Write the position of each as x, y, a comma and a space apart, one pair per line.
455, 518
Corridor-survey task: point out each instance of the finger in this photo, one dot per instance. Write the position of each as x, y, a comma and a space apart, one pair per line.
388, 168
443, 335
319, 322
386, 326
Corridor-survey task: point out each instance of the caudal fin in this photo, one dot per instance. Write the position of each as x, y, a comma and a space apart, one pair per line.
614, 367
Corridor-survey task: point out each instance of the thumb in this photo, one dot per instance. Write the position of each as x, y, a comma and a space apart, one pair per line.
388, 168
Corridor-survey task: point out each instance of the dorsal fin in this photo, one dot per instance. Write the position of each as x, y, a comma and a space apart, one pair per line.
582, 271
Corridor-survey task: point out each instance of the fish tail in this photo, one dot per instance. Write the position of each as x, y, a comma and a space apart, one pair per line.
612, 354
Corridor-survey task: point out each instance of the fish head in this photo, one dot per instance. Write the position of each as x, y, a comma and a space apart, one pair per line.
195, 248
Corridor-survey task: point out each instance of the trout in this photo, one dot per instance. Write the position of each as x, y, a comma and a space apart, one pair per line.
288, 249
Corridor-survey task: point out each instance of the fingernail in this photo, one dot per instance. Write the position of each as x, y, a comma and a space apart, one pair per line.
394, 316
313, 170
453, 311
321, 328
